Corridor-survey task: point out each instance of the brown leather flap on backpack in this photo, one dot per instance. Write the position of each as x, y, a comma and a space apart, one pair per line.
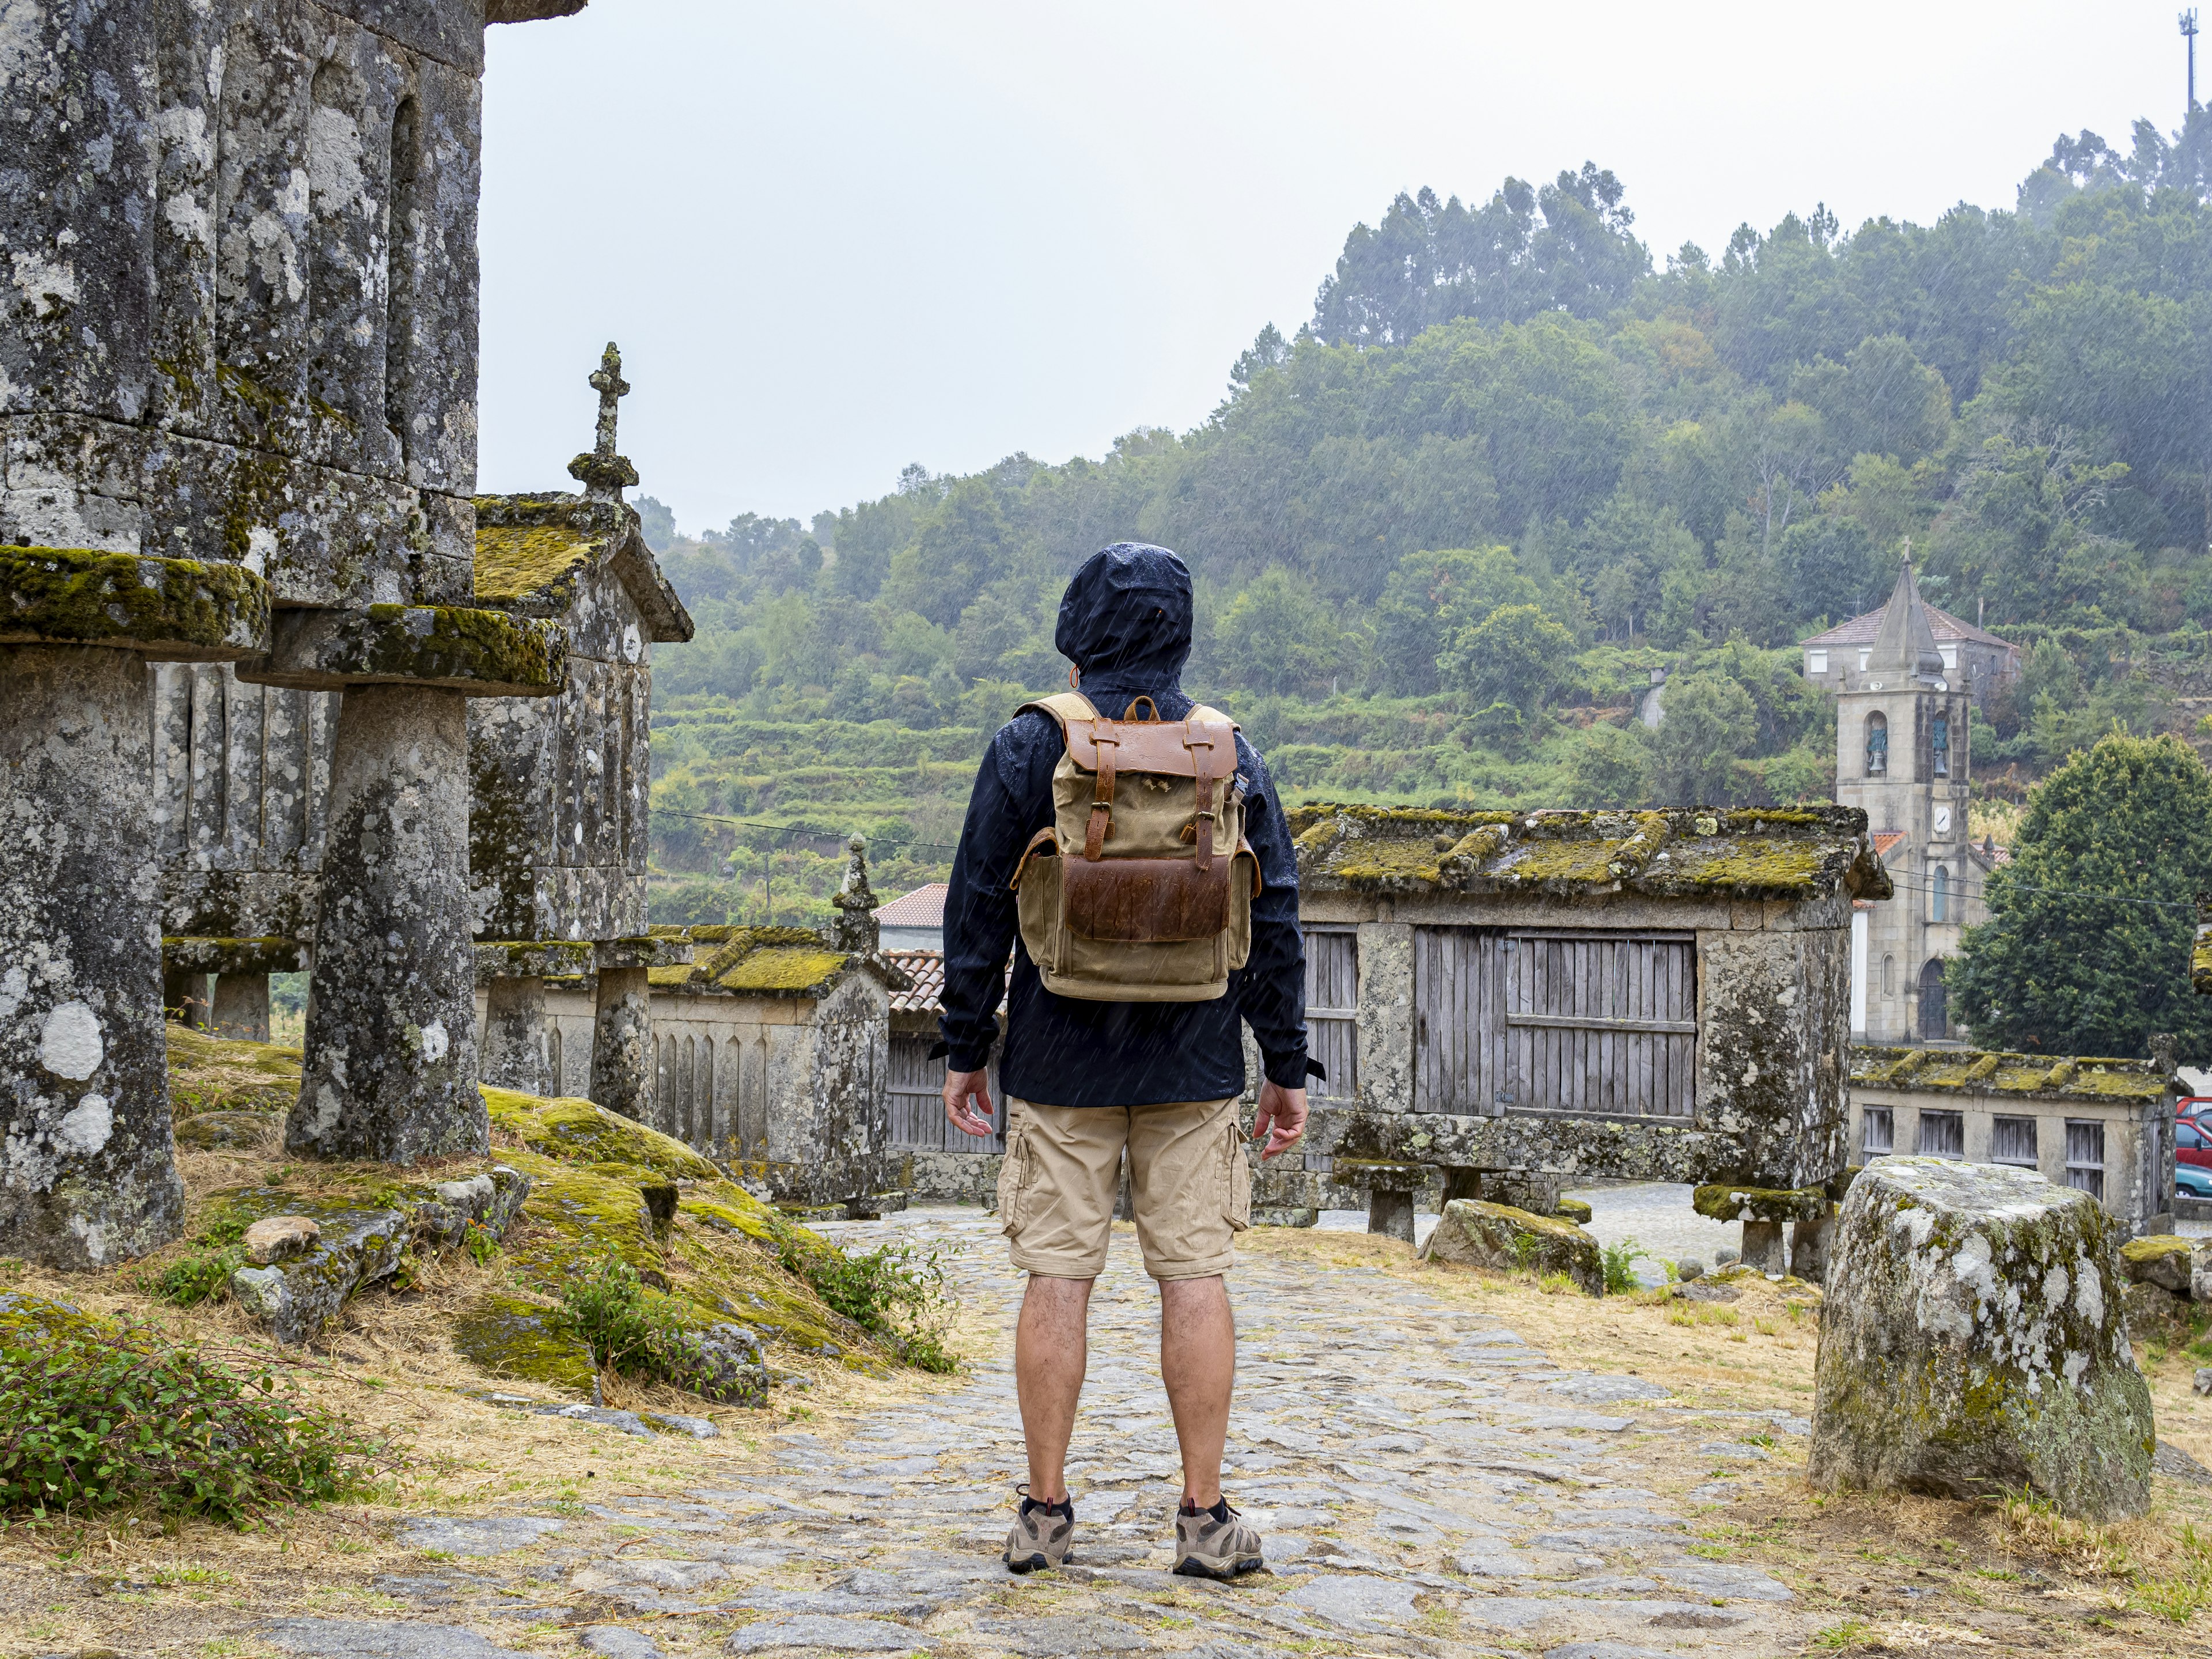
1161, 747
1145, 901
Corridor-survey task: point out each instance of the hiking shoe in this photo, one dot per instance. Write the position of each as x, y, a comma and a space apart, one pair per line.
1215, 1543
1041, 1534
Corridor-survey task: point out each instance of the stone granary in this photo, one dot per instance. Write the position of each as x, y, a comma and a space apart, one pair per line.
237, 424
1568, 994
2105, 1126
559, 788
557, 808
772, 1054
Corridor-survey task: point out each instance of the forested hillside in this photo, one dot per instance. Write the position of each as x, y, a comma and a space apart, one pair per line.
1443, 534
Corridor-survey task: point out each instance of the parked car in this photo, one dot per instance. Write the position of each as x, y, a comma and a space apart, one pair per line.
2196, 1106
2190, 1181
2192, 1143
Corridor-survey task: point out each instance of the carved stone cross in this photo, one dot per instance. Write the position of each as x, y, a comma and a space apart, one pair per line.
603, 473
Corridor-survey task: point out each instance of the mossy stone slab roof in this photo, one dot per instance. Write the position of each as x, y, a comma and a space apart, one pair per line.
534, 552
1985, 1072
777, 962
1693, 854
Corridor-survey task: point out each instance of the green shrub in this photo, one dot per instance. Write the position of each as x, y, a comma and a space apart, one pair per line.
630, 1329
1620, 1262
97, 1417
204, 1277
893, 1292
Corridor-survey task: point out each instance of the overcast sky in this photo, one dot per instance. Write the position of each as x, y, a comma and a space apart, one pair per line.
836, 238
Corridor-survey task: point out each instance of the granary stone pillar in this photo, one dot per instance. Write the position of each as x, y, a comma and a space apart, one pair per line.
621, 1035
517, 1050
89, 1177
241, 1007
391, 1067
1385, 1031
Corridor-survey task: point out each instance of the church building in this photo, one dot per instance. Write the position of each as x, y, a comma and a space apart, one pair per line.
1902, 756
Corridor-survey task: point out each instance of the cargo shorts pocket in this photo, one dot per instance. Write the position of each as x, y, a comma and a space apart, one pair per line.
1014, 1179
1236, 1207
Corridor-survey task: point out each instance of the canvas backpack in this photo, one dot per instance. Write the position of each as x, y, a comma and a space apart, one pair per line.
1141, 889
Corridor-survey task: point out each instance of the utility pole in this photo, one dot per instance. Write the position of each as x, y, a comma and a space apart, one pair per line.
2189, 34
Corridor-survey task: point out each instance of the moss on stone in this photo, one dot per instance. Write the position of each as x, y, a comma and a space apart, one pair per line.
1722, 1202
518, 561
77, 595
511, 1337
454, 642
1767, 868
579, 1132
217, 1074
1547, 860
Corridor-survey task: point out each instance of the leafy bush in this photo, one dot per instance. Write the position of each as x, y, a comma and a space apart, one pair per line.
629, 1330
95, 1416
893, 1292
203, 1276
1620, 1262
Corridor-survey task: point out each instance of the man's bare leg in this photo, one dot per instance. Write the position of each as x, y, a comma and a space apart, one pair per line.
1198, 1363
1050, 1352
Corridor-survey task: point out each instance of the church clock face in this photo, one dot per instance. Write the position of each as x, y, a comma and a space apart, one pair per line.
1942, 821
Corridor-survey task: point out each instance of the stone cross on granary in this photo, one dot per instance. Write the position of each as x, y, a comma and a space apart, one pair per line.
854, 928
603, 473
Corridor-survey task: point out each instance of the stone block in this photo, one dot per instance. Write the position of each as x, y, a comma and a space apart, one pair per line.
1763, 1250
279, 1237
177, 610
1574, 1210
2162, 1259
1477, 1234
480, 653
1973, 1343
1810, 1241
1722, 1202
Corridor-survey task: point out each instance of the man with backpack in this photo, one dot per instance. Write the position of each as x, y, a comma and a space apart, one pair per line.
1126, 845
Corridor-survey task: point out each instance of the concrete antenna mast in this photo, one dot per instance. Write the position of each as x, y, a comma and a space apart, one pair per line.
2189, 34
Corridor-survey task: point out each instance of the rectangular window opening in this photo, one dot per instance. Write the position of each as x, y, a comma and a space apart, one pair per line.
2012, 1140
1816, 662
2084, 1156
1877, 1132
1942, 1134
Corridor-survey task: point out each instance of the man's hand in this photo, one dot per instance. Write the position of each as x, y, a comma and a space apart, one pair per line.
968, 1103
1281, 1119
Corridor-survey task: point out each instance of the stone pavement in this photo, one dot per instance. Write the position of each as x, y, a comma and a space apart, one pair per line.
1427, 1482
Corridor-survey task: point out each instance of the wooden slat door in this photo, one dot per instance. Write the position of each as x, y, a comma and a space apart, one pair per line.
1332, 1011
1555, 1021
917, 1099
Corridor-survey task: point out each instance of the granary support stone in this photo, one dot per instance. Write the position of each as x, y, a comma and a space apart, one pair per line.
622, 1038
1973, 1343
87, 1172
239, 1007
517, 1048
390, 1068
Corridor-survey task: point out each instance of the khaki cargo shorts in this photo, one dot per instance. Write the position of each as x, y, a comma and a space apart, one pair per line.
1191, 1186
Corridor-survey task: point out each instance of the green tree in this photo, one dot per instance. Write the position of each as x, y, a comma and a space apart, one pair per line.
2087, 948
1609, 766
1708, 722
1513, 656
962, 547
1428, 598
1275, 636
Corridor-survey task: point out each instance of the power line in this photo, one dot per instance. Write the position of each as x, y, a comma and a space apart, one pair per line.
794, 830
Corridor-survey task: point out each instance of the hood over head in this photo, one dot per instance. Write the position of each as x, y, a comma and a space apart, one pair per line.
1126, 615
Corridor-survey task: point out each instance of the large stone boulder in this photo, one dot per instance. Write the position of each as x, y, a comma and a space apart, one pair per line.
1477, 1234
1972, 1342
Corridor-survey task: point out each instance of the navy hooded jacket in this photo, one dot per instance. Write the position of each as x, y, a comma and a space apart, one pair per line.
1126, 624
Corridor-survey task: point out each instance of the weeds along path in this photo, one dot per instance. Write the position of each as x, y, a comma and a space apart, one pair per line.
1442, 1463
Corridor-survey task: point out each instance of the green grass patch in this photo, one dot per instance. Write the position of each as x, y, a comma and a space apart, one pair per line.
893, 1292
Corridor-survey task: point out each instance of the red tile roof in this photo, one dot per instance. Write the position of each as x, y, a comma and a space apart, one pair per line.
1885, 842
922, 907
926, 969
1860, 630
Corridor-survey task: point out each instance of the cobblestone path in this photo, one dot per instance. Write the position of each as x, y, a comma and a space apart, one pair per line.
1427, 1482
